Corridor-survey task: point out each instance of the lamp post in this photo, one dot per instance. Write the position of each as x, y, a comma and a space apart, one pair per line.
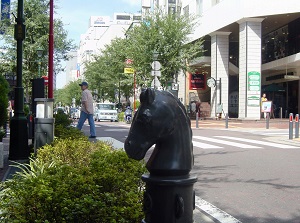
18, 146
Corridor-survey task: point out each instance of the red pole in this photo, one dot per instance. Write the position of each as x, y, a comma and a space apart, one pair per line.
51, 50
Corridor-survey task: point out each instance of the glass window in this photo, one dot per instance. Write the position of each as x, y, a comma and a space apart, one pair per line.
199, 7
186, 10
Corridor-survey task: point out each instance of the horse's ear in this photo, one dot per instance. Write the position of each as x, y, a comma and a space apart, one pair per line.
147, 96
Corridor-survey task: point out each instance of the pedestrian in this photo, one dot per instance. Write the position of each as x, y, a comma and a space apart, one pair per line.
87, 109
263, 99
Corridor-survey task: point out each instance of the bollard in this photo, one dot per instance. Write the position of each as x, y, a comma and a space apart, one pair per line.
169, 195
267, 120
197, 120
297, 126
291, 126
226, 121
280, 112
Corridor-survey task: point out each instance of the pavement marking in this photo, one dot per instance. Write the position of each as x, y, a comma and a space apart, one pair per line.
205, 145
116, 130
214, 212
115, 143
265, 143
213, 140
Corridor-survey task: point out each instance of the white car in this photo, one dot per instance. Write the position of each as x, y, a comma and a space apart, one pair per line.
105, 111
74, 113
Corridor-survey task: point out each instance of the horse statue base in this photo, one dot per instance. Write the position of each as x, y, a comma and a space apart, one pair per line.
169, 199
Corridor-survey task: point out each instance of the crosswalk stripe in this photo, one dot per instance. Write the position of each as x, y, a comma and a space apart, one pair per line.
277, 145
235, 144
205, 145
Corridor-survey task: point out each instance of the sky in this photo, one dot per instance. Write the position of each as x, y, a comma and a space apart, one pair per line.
75, 14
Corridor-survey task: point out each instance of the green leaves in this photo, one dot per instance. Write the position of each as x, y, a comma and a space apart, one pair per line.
75, 181
36, 15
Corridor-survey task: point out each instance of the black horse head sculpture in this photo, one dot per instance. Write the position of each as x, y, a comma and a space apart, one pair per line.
161, 120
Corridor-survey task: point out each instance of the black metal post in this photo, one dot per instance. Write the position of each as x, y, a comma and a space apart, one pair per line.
226, 121
18, 147
267, 120
197, 120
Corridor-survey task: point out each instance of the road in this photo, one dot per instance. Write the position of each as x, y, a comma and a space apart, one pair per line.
250, 174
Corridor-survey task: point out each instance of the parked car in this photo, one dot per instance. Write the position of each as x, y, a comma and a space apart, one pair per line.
105, 111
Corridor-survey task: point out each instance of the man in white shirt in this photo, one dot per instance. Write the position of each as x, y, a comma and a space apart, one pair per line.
87, 109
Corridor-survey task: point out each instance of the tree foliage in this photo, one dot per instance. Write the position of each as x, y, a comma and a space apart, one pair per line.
106, 73
36, 16
3, 100
65, 96
168, 36
165, 34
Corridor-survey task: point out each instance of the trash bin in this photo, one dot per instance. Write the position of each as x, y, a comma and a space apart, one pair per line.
44, 131
43, 123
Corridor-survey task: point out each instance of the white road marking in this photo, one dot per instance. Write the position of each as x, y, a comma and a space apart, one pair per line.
265, 143
213, 140
205, 145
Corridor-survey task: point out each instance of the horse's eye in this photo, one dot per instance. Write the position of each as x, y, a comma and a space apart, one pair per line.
145, 117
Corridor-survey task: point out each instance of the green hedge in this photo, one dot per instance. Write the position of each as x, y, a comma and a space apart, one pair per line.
75, 181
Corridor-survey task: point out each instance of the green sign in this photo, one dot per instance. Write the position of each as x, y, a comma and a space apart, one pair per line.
253, 101
253, 81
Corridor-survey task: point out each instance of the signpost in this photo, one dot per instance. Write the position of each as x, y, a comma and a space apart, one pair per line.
156, 73
129, 70
253, 85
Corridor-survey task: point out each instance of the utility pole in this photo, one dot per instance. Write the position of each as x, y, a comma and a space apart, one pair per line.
51, 51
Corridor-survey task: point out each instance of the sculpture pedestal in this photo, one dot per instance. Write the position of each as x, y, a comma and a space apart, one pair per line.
169, 199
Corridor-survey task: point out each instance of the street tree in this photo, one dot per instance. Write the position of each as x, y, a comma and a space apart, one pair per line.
36, 15
167, 36
65, 95
106, 72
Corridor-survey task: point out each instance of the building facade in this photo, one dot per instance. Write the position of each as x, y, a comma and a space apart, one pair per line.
251, 47
102, 30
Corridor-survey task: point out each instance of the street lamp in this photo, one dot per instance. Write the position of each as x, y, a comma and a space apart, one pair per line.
18, 146
39, 53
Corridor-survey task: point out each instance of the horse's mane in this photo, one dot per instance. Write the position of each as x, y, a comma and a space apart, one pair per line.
148, 96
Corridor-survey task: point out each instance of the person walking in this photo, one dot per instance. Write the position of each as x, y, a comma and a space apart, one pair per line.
87, 109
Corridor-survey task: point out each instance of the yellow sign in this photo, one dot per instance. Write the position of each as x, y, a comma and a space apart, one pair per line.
128, 70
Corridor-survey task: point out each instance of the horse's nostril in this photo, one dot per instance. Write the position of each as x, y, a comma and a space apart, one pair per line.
127, 144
